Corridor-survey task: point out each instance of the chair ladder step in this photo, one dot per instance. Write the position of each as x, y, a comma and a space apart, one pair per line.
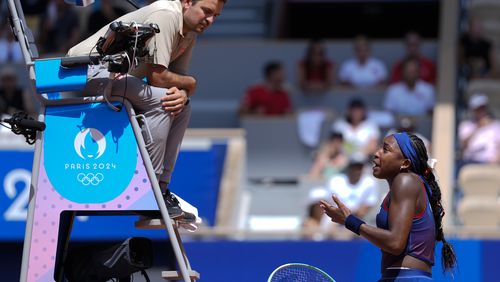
156, 223
176, 275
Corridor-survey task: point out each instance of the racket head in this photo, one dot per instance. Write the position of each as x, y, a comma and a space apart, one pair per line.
299, 272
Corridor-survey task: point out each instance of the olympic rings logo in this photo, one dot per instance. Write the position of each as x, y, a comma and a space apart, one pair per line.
90, 178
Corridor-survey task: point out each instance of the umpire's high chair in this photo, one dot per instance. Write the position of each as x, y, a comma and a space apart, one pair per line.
89, 159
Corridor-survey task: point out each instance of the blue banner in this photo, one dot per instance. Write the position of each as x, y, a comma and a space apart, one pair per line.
355, 260
15, 178
196, 179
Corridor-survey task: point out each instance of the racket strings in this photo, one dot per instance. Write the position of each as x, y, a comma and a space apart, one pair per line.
299, 274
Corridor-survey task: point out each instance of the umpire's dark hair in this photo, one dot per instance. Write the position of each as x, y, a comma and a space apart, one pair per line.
271, 67
448, 260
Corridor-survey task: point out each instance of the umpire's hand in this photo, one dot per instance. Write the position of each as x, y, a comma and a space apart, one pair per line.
174, 101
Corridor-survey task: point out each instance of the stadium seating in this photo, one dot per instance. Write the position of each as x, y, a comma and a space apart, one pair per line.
220, 92
480, 179
480, 205
479, 211
484, 9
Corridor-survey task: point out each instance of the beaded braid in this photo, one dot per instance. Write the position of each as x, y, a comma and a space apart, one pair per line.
448, 260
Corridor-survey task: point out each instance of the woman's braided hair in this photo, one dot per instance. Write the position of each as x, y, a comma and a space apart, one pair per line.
448, 260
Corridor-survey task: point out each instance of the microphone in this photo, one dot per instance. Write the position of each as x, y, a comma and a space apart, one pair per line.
25, 123
80, 3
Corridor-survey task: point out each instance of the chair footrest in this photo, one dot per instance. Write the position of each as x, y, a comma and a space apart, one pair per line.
157, 223
176, 275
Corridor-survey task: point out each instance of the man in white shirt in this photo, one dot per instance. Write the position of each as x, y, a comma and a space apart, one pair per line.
164, 98
411, 96
480, 136
363, 70
357, 191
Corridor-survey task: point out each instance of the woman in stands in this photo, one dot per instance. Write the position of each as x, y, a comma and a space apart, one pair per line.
315, 71
410, 219
360, 134
331, 158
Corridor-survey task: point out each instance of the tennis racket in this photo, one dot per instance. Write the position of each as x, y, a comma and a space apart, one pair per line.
299, 272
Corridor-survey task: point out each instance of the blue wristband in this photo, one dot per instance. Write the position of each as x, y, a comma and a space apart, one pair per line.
353, 223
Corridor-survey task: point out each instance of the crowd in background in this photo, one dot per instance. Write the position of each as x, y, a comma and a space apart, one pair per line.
410, 94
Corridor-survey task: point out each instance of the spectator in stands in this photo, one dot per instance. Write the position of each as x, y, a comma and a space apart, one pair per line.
363, 70
426, 66
270, 97
59, 29
12, 97
360, 134
103, 16
408, 124
480, 135
10, 51
331, 158
33, 10
34, 7
411, 96
316, 226
315, 70
312, 223
476, 53
356, 190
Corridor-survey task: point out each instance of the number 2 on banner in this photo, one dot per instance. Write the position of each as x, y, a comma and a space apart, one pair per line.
18, 210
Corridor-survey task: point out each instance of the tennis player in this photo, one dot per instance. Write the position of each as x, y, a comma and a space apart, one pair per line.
410, 219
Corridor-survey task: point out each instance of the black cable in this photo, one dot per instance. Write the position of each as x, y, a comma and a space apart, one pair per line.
125, 90
22, 124
1, 123
90, 53
145, 274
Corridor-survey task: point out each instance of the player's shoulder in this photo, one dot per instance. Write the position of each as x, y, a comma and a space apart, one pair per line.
407, 183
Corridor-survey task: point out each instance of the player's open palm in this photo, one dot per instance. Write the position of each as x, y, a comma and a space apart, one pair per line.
338, 212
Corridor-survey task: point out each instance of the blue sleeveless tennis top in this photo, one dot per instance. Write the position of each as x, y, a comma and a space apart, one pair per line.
422, 237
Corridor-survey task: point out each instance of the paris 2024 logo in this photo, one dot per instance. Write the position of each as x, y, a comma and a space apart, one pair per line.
93, 164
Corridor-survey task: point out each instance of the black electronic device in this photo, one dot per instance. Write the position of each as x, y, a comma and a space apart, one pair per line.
22, 124
119, 261
125, 42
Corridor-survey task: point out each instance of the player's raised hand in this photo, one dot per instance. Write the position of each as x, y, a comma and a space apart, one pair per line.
338, 212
